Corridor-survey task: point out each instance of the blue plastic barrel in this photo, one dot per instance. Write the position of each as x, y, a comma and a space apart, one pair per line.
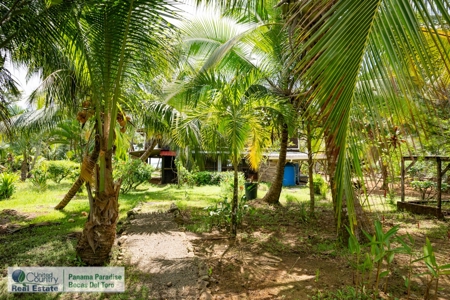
289, 175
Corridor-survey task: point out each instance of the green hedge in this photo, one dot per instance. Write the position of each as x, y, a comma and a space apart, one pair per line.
58, 170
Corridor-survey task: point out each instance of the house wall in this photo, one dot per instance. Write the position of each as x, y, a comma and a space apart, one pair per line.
267, 171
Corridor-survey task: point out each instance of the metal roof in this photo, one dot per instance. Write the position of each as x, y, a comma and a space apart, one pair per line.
295, 156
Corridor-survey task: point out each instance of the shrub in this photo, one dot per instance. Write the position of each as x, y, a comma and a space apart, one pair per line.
7, 186
320, 186
427, 188
184, 176
15, 163
39, 177
206, 178
59, 169
133, 172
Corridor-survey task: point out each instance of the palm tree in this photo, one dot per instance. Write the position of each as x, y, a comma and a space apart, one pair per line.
25, 130
375, 39
105, 44
250, 41
230, 111
112, 42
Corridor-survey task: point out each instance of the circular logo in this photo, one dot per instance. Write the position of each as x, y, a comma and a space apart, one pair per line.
18, 276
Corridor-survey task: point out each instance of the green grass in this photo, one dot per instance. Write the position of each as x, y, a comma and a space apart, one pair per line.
55, 246
46, 245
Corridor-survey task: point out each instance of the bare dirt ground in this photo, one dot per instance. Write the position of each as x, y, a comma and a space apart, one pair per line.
280, 253
153, 244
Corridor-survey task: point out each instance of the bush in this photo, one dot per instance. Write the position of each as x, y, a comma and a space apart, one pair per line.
220, 213
7, 186
57, 170
134, 172
39, 177
206, 178
320, 186
184, 176
428, 188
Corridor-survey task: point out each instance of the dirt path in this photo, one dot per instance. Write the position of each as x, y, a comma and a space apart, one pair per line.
154, 245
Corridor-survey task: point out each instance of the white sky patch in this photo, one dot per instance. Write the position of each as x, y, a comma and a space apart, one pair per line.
19, 74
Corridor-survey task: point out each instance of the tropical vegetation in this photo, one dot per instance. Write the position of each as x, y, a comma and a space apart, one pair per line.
365, 81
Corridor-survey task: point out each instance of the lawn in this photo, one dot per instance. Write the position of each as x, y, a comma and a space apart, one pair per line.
287, 235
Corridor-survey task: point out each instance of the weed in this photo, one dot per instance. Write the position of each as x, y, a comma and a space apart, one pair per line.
290, 198
7, 185
78, 262
346, 293
275, 246
380, 251
328, 247
39, 178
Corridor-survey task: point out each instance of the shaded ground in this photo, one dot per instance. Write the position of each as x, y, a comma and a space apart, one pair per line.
279, 254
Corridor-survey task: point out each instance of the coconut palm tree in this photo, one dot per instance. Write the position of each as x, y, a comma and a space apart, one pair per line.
111, 42
102, 45
354, 48
256, 40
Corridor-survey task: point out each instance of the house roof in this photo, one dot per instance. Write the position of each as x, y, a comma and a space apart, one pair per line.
290, 155
295, 156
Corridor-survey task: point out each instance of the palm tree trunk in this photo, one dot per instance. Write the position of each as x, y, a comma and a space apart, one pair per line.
24, 167
363, 221
71, 193
90, 164
310, 169
234, 202
273, 194
92, 160
385, 174
149, 150
99, 231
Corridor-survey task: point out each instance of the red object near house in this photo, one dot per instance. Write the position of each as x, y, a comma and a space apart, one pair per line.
168, 153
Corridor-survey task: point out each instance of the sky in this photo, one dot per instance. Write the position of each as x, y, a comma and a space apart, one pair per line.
19, 73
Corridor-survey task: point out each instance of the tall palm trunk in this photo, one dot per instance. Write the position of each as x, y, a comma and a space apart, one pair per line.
149, 150
310, 169
273, 194
342, 218
234, 201
99, 231
24, 167
70, 194
89, 164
